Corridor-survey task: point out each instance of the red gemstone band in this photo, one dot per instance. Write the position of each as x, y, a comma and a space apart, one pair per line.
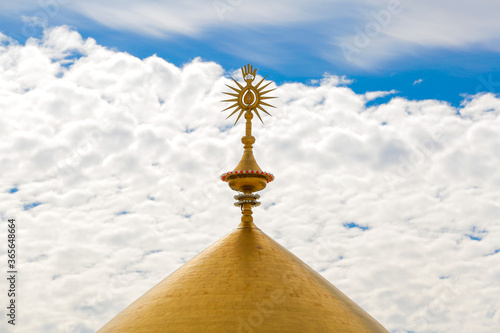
269, 176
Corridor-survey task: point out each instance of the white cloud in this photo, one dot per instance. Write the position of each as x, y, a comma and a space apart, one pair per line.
362, 33
371, 95
416, 82
124, 155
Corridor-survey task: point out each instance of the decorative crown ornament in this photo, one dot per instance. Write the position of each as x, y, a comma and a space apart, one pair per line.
248, 177
248, 98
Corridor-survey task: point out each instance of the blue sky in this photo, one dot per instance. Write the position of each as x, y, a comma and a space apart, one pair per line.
387, 178
421, 49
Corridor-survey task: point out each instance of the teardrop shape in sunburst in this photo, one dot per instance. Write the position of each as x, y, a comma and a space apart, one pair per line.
249, 98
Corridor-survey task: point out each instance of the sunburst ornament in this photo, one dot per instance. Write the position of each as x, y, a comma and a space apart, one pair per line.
248, 98
248, 177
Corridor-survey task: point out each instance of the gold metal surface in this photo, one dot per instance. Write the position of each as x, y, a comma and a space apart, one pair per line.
245, 282
248, 99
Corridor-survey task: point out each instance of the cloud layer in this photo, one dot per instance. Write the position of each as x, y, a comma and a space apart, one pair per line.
362, 33
110, 165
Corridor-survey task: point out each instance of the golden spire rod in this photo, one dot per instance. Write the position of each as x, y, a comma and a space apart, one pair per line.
248, 177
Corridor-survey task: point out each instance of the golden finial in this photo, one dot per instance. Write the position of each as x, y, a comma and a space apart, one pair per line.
248, 177
248, 98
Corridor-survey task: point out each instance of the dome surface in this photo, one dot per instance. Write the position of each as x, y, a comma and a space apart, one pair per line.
245, 282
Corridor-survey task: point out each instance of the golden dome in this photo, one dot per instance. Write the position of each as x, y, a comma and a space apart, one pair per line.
245, 282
